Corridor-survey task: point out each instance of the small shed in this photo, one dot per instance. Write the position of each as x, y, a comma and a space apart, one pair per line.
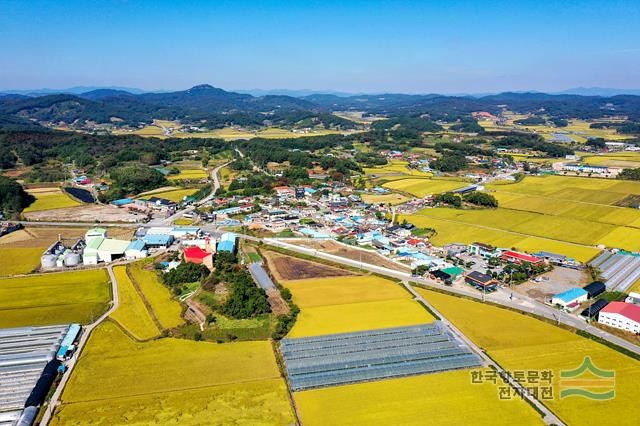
595, 288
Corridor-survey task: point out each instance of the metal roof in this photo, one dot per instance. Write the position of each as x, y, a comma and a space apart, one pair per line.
114, 246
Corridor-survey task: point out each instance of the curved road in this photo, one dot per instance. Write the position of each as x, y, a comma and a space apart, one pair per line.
86, 332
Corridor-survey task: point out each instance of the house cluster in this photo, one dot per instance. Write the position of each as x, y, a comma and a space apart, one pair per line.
151, 205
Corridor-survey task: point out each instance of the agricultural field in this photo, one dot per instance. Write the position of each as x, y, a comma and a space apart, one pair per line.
230, 133
166, 309
173, 194
390, 198
148, 131
520, 342
189, 174
424, 187
54, 298
173, 381
613, 159
567, 215
446, 398
577, 130
132, 314
355, 303
287, 268
395, 167
15, 260
49, 199
450, 230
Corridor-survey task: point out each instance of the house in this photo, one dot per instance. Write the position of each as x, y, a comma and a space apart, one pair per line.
570, 297
595, 288
625, 316
455, 249
199, 256
553, 258
136, 249
481, 281
284, 192
518, 258
481, 249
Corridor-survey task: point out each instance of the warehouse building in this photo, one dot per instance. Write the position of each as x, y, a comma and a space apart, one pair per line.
158, 240
136, 249
624, 316
570, 298
227, 242
518, 258
199, 256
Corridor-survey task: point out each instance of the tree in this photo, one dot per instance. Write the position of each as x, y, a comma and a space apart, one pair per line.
135, 179
481, 199
448, 198
13, 198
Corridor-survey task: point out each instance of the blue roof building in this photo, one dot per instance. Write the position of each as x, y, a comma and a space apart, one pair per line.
158, 240
572, 296
227, 246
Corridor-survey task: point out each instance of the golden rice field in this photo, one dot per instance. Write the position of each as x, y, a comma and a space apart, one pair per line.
613, 159
189, 174
578, 130
173, 382
230, 133
424, 187
395, 167
14, 261
175, 195
568, 215
49, 199
148, 131
519, 342
343, 290
132, 314
391, 198
164, 306
446, 398
54, 298
449, 232
345, 304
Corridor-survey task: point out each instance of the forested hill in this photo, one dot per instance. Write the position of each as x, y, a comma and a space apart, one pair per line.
208, 106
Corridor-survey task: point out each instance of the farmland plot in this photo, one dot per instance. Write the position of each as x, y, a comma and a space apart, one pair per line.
519, 342
55, 298
173, 381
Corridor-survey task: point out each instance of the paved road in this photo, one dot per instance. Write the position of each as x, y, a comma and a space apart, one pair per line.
86, 332
216, 185
502, 297
549, 417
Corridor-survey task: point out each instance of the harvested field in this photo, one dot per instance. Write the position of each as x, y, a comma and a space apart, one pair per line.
89, 213
520, 342
286, 268
200, 383
342, 250
444, 399
54, 298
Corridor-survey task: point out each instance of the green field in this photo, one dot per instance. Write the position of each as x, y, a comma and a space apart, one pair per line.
54, 298
519, 342
173, 382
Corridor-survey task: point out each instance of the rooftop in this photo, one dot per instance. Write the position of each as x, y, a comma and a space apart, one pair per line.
628, 310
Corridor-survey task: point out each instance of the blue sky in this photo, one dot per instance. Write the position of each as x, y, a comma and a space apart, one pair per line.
355, 46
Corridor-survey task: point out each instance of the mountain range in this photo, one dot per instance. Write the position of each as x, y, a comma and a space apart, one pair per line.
218, 108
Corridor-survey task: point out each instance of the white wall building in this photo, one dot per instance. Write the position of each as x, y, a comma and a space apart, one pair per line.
624, 316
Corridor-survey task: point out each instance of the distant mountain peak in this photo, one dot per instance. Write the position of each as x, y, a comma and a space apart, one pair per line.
201, 87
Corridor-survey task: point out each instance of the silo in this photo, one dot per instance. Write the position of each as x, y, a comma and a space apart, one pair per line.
48, 261
72, 259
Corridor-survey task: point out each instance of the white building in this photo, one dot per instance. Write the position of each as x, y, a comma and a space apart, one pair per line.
624, 316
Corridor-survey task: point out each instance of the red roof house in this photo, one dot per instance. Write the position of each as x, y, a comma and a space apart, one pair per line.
197, 255
518, 258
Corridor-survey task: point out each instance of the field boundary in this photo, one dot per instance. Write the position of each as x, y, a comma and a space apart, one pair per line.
146, 303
